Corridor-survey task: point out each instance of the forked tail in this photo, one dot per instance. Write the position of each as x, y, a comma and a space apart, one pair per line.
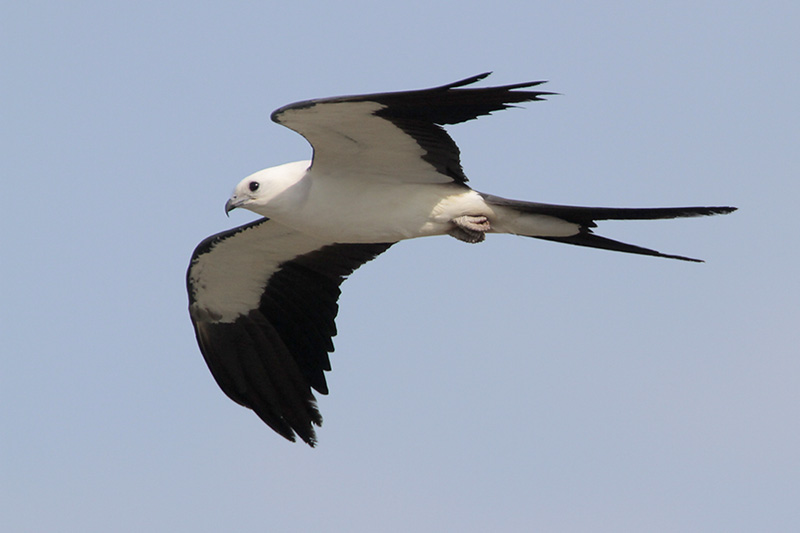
585, 218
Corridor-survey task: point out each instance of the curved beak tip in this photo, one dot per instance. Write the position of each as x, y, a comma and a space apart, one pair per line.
230, 205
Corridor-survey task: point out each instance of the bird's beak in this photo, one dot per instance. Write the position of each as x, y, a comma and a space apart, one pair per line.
232, 204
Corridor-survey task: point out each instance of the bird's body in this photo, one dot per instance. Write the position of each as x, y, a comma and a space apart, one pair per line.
378, 211
263, 296
385, 210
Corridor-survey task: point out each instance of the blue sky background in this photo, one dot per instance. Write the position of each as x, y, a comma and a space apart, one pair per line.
517, 385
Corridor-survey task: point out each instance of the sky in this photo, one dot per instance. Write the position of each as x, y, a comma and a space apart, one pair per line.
515, 385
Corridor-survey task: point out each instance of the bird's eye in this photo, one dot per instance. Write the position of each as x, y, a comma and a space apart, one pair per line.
253, 186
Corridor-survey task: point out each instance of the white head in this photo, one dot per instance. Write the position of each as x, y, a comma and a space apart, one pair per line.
271, 189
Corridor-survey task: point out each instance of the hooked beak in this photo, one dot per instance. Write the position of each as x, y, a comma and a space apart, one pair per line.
232, 204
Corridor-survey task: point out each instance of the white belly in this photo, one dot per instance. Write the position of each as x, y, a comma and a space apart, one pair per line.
357, 210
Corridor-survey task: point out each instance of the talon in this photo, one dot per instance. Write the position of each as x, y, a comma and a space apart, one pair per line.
470, 228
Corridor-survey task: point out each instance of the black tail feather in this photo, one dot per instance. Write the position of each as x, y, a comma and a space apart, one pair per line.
586, 238
586, 216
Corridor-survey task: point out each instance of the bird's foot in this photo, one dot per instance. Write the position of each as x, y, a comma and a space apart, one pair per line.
470, 228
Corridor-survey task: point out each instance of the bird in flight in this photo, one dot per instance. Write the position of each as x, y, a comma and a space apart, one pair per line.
263, 296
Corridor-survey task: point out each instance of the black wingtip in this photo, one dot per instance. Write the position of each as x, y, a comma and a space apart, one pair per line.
466, 81
479, 77
290, 430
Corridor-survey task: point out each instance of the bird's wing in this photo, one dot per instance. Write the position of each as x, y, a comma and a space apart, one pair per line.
396, 135
263, 299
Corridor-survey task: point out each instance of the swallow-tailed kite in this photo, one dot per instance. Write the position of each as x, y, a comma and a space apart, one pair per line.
263, 296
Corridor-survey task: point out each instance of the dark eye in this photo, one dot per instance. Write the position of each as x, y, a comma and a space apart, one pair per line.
253, 186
